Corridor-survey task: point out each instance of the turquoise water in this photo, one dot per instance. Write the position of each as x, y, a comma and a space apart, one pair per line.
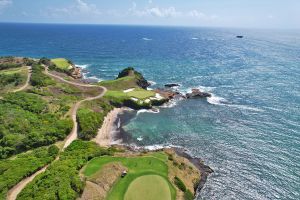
249, 132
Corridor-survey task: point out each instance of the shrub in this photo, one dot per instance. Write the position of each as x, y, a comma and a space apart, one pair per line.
61, 180
188, 195
179, 183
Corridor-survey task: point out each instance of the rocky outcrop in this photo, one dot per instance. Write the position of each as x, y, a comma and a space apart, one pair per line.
196, 93
76, 72
170, 85
140, 80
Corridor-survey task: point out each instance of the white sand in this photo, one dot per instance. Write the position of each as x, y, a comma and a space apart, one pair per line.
105, 133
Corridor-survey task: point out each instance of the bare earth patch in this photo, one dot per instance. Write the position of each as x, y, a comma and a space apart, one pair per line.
100, 183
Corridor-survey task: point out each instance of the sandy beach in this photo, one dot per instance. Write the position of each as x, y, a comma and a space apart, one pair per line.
105, 134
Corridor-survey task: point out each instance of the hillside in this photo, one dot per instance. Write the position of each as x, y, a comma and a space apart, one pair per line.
47, 121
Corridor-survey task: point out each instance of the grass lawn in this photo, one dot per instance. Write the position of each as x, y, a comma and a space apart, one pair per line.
61, 63
137, 167
149, 187
120, 84
141, 94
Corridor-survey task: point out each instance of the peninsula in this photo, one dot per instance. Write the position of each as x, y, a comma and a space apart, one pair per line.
56, 138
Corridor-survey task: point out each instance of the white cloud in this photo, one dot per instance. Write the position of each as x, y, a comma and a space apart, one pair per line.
153, 11
200, 15
79, 8
169, 12
4, 4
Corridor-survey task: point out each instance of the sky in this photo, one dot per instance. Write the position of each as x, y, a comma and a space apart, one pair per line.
282, 14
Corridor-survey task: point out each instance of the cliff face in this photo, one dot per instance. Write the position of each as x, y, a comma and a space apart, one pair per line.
140, 80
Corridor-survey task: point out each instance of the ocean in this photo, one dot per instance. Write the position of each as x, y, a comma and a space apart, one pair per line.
248, 132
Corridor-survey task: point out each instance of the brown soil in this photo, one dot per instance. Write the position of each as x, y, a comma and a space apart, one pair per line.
100, 183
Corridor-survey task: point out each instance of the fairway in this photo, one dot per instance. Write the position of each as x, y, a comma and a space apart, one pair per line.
61, 63
149, 187
141, 166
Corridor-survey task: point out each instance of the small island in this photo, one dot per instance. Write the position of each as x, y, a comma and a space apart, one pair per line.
56, 140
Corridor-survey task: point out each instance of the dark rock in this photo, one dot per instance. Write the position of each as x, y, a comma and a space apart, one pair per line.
197, 93
172, 85
239, 36
140, 80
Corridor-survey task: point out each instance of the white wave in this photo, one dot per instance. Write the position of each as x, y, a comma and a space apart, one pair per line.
147, 111
244, 107
169, 104
82, 66
139, 138
160, 146
215, 100
96, 79
200, 87
152, 83
147, 39
195, 38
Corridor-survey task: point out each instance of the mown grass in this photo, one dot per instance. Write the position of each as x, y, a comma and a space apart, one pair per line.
137, 93
149, 187
137, 167
141, 94
61, 63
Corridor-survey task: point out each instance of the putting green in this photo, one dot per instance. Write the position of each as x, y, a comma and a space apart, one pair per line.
148, 187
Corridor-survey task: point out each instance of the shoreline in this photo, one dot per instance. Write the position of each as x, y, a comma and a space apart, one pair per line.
116, 135
106, 133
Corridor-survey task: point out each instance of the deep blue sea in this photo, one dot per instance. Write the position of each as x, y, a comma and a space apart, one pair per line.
248, 132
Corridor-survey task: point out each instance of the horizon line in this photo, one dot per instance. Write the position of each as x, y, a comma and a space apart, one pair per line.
148, 25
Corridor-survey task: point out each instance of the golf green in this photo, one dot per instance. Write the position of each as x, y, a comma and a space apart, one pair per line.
148, 187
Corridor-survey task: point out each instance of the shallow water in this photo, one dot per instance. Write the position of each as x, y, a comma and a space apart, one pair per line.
248, 132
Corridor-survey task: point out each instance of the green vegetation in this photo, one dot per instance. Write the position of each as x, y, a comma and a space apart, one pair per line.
8, 62
26, 101
188, 195
90, 118
120, 83
38, 78
179, 183
61, 180
137, 167
12, 171
25, 123
62, 63
141, 94
148, 187
10, 79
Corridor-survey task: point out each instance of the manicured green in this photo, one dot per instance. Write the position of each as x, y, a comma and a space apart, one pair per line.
61, 180
12, 171
148, 187
137, 166
141, 94
62, 63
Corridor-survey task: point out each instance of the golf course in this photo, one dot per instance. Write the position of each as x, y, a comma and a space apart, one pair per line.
147, 177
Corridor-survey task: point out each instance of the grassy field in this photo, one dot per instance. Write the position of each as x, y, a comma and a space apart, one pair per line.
138, 93
137, 167
11, 79
61, 63
120, 84
148, 187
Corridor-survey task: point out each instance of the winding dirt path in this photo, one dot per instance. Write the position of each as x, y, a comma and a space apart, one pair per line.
27, 81
13, 192
73, 135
